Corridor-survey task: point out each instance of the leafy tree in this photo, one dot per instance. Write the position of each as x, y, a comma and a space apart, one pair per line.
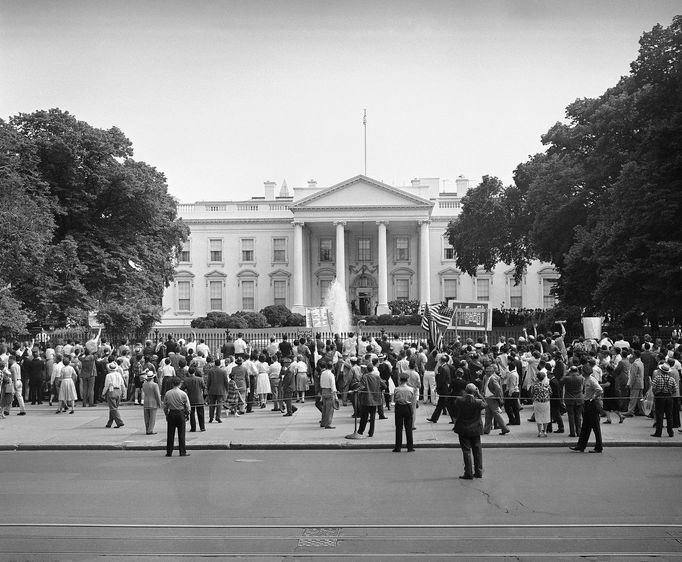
603, 202
104, 227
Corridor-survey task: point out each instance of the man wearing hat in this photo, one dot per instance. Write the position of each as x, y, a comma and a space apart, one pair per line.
114, 388
663, 386
177, 409
241, 380
152, 401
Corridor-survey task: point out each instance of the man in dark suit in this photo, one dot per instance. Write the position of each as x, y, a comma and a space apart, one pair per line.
371, 396
195, 388
288, 385
35, 369
467, 410
216, 384
572, 384
443, 388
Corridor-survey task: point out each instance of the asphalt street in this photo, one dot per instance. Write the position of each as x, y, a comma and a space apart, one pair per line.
531, 503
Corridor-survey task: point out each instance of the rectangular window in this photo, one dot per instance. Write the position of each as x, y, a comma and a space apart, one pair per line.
483, 289
449, 289
184, 295
548, 299
324, 289
248, 295
448, 251
248, 250
326, 249
515, 297
402, 248
280, 292
215, 250
184, 255
215, 292
364, 250
402, 289
279, 250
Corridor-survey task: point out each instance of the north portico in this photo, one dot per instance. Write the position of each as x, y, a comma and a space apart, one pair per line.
384, 243
359, 216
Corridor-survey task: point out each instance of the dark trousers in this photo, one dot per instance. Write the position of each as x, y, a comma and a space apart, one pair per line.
403, 419
555, 416
367, 412
288, 395
215, 405
590, 423
197, 413
251, 397
663, 407
575, 417
35, 391
88, 391
511, 406
443, 405
471, 446
175, 420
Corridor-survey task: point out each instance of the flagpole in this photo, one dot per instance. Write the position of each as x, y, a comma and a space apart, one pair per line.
364, 124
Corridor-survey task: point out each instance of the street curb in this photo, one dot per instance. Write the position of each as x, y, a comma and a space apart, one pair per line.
312, 446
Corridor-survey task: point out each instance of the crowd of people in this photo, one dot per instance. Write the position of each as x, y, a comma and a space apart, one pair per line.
584, 381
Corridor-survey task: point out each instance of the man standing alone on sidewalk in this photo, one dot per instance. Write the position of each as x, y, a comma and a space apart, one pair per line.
176, 407
403, 398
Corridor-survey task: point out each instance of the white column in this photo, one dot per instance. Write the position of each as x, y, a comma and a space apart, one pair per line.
424, 262
382, 305
340, 253
298, 306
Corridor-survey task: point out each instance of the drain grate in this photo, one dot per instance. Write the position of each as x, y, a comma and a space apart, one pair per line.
325, 537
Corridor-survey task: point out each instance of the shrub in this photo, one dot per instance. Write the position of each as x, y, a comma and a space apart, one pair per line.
276, 314
252, 319
295, 319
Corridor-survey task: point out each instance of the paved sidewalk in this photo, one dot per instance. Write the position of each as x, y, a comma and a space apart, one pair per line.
42, 429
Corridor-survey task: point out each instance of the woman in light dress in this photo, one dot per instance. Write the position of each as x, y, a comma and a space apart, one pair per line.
301, 378
263, 380
67, 387
541, 392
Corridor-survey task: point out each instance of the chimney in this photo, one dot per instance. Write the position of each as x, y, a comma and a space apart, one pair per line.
462, 186
269, 190
312, 184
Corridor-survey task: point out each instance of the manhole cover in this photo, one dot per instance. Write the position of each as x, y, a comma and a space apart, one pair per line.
319, 537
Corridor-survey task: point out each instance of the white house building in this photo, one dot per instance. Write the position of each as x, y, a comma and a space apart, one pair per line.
382, 242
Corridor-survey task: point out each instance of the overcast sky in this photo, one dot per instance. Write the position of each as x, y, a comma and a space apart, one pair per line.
223, 95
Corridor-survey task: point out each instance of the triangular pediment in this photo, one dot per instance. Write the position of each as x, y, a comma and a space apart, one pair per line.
361, 191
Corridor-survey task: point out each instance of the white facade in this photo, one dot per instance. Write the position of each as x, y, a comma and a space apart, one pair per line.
384, 243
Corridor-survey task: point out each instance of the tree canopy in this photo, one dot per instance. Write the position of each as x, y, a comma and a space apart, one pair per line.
85, 226
603, 202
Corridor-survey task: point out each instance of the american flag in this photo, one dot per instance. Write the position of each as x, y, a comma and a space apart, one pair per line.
436, 318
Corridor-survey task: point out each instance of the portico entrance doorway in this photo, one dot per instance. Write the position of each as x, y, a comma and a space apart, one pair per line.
364, 293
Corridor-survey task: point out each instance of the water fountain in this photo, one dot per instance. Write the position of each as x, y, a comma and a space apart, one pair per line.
336, 302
